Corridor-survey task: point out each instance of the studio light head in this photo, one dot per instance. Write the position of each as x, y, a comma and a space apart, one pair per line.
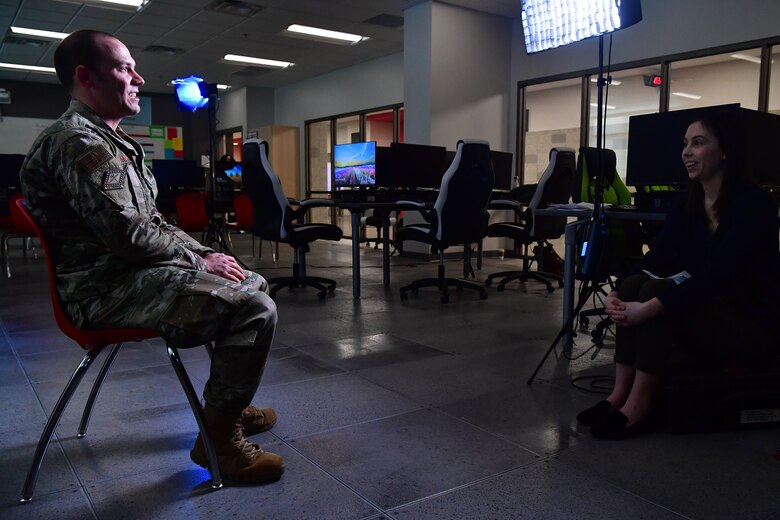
552, 23
193, 93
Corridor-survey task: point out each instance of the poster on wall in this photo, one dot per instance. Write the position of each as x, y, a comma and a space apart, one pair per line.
159, 142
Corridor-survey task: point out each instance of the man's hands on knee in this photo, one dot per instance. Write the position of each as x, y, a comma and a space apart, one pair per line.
224, 266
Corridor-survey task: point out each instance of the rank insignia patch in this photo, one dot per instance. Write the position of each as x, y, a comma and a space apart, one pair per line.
114, 180
94, 158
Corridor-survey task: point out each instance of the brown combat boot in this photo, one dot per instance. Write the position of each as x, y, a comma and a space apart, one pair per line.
238, 459
256, 420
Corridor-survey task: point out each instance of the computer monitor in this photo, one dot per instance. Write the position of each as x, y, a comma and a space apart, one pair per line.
655, 143
178, 175
354, 165
230, 170
502, 168
417, 165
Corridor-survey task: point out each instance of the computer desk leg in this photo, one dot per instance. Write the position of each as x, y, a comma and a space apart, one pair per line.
355, 253
570, 241
386, 252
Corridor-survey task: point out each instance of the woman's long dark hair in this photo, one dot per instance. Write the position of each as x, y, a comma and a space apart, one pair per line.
726, 128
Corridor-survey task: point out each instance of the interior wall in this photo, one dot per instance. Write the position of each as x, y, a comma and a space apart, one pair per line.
371, 84
232, 109
260, 107
417, 73
469, 77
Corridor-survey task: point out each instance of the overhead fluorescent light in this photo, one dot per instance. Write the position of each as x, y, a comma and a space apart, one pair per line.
747, 57
47, 35
686, 95
315, 33
614, 82
28, 68
122, 5
609, 107
259, 62
220, 86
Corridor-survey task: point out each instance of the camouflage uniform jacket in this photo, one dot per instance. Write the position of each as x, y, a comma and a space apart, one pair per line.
88, 187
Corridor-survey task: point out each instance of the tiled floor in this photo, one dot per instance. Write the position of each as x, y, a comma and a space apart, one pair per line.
388, 409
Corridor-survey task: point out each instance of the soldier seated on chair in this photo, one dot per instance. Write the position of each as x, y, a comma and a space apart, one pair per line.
120, 264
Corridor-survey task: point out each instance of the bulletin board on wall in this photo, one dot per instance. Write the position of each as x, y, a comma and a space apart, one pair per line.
159, 142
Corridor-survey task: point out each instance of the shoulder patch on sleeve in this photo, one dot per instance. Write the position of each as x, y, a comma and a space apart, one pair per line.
94, 157
114, 179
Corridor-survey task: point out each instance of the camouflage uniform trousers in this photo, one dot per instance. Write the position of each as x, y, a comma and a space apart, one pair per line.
189, 308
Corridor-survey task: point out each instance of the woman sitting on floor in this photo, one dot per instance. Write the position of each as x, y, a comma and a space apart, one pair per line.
725, 314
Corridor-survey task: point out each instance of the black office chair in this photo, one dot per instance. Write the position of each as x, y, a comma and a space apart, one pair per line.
274, 218
459, 215
625, 237
554, 187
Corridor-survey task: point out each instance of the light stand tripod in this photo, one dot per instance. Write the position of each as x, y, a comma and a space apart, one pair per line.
590, 267
215, 233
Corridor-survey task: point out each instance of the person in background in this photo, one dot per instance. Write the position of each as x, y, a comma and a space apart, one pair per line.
724, 308
120, 264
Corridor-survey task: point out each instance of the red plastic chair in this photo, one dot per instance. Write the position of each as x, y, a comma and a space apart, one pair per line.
245, 216
14, 226
94, 341
191, 212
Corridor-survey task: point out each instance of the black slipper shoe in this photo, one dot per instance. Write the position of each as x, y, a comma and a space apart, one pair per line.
594, 414
614, 427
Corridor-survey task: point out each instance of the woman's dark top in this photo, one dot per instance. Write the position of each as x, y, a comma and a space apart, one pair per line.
739, 265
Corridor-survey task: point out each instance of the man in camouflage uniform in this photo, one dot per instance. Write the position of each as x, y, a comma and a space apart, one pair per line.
119, 264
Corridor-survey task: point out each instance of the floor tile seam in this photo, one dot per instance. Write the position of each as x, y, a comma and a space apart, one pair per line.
80, 484
492, 434
339, 481
467, 485
617, 486
300, 381
348, 426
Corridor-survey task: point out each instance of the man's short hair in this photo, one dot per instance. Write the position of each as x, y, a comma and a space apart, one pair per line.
79, 48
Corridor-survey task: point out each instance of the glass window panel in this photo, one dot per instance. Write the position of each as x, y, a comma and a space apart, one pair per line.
553, 111
774, 81
318, 180
379, 127
627, 95
716, 80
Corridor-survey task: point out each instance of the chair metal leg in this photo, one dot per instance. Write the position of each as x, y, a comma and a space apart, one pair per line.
51, 424
4, 256
82, 431
186, 384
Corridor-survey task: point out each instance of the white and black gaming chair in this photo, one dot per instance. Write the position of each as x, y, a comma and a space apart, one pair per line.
554, 187
459, 215
275, 219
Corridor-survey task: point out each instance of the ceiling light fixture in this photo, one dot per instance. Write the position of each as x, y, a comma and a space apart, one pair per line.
220, 86
122, 5
686, 95
609, 107
315, 33
747, 57
259, 62
47, 35
28, 68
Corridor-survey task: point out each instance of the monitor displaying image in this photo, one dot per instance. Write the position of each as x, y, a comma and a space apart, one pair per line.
234, 173
354, 164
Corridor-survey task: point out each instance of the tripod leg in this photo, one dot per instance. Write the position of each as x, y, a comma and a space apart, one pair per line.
566, 327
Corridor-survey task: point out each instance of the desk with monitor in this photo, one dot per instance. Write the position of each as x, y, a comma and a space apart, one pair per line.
370, 177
